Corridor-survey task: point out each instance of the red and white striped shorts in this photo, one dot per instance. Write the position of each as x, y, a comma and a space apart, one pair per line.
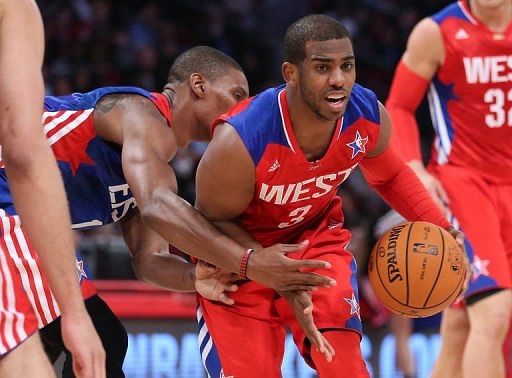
26, 303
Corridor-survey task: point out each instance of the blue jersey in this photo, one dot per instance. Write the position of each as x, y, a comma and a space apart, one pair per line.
91, 167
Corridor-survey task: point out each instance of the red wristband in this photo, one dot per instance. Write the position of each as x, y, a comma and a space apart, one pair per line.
244, 261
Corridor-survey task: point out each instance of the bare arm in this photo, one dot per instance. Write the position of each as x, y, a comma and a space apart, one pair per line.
152, 261
425, 49
148, 145
34, 178
420, 62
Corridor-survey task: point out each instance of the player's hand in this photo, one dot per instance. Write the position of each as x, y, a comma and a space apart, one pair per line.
459, 238
81, 339
213, 283
300, 302
433, 185
270, 267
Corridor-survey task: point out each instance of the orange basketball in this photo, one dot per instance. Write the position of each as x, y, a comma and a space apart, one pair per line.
417, 269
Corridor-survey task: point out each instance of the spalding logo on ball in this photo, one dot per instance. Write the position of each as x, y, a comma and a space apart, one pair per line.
417, 269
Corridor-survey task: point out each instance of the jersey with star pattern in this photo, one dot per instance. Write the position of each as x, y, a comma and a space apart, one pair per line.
95, 185
291, 192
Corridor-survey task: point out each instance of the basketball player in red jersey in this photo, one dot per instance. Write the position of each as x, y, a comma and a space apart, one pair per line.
283, 154
38, 192
463, 55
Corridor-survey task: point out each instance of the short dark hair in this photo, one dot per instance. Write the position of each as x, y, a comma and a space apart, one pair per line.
315, 27
207, 61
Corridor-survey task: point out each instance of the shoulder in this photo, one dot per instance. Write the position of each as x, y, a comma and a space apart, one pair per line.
363, 103
453, 11
78, 101
257, 122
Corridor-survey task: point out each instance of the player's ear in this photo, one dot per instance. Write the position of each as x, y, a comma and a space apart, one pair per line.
289, 72
197, 84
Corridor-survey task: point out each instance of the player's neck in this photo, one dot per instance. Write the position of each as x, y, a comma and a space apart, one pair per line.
312, 133
181, 118
497, 19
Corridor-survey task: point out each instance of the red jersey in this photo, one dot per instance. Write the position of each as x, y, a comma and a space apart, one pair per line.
470, 97
291, 193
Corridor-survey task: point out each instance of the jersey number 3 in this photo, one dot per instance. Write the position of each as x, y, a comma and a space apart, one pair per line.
296, 216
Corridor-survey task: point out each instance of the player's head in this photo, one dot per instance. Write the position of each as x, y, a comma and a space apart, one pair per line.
207, 83
320, 64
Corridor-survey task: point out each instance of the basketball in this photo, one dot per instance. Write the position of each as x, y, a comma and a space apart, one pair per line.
417, 269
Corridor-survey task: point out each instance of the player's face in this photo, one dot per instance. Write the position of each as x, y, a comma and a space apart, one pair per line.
326, 77
223, 94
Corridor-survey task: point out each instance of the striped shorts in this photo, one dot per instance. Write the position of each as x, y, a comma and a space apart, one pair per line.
26, 303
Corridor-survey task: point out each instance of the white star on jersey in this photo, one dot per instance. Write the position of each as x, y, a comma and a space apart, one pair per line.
81, 271
354, 306
479, 267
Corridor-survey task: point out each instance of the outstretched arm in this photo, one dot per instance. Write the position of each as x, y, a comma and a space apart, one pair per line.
153, 263
397, 184
148, 145
34, 178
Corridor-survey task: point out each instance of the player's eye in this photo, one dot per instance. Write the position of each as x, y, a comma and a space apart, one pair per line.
347, 66
322, 68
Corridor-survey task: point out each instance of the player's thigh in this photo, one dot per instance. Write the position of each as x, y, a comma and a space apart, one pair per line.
27, 360
239, 343
476, 211
26, 302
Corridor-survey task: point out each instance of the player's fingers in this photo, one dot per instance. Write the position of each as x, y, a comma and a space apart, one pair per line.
100, 371
290, 248
232, 288
329, 347
226, 300
329, 350
304, 299
313, 279
301, 288
310, 264
82, 367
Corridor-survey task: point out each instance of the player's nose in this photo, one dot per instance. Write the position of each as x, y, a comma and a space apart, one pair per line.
337, 78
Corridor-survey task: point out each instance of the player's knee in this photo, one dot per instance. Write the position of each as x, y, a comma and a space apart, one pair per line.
490, 316
455, 322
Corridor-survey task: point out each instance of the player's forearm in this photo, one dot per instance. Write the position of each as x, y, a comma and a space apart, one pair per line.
184, 227
39, 198
166, 271
238, 234
401, 188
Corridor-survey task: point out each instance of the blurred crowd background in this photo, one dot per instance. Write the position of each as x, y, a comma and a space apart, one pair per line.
94, 43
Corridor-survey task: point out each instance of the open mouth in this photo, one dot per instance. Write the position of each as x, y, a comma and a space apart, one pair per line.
336, 101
